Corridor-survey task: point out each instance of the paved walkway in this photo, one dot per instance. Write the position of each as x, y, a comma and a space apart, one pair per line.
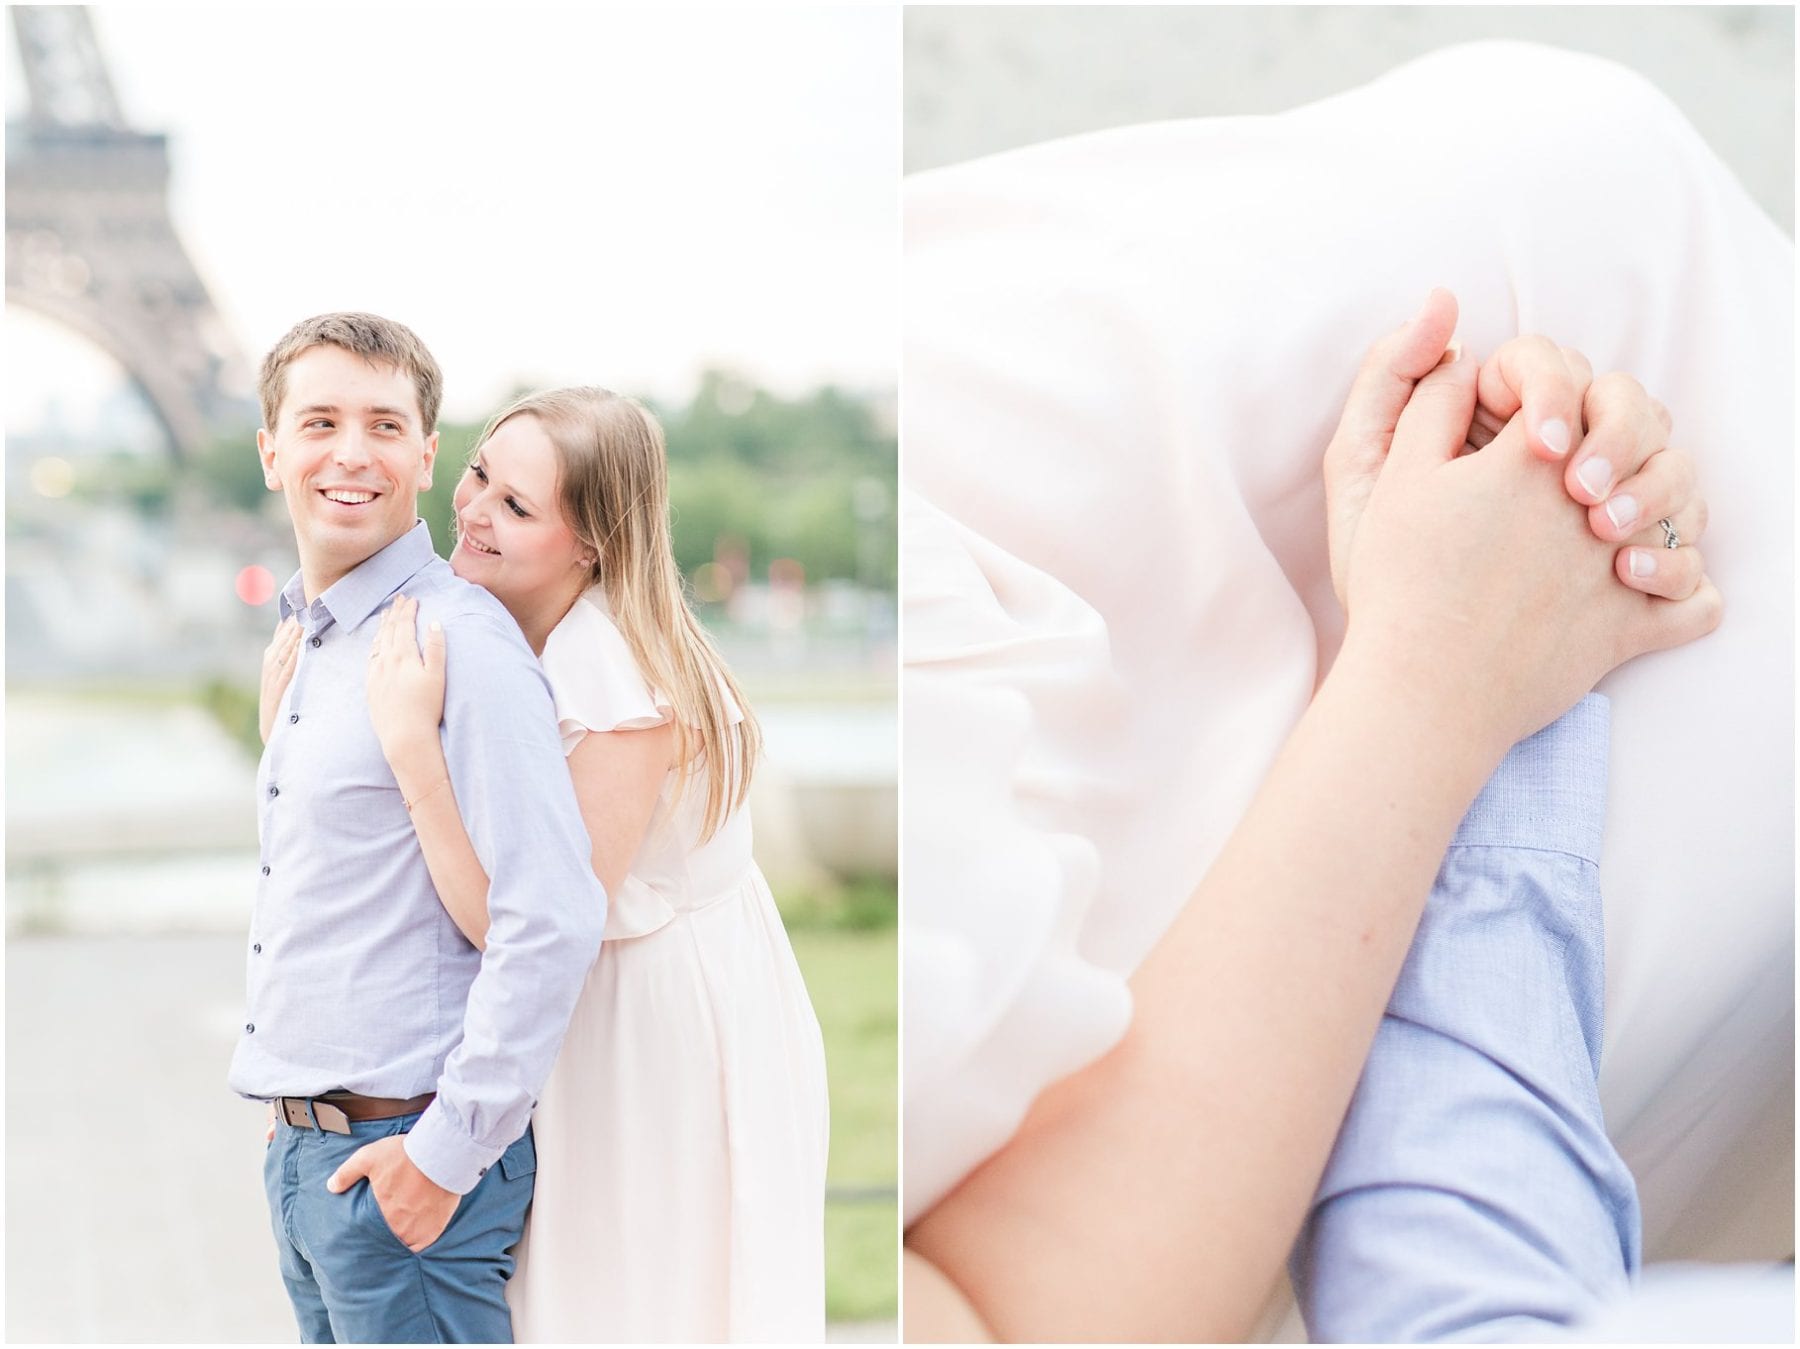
134, 1208
982, 79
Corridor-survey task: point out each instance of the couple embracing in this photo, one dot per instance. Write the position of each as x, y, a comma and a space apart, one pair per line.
510, 953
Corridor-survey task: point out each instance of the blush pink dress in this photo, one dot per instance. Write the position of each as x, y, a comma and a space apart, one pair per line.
1125, 354
681, 1138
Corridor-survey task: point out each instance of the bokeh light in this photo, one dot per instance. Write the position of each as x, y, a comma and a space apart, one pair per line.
255, 585
52, 476
712, 583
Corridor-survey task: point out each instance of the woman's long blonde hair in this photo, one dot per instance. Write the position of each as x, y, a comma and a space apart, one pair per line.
615, 497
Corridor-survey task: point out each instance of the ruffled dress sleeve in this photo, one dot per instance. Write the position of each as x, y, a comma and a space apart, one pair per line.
596, 681
594, 677
597, 686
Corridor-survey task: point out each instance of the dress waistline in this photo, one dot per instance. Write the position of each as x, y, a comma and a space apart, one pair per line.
637, 910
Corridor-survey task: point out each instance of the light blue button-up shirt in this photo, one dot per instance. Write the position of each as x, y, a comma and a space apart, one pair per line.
1473, 1193
358, 979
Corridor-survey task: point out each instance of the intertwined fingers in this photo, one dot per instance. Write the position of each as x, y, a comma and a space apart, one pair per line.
1649, 563
1671, 622
1665, 486
1625, 427
1434, 424
1385, 379
1384, 383
1547, 381
1671, 573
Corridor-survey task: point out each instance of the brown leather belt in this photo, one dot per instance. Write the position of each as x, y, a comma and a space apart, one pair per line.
335, 1109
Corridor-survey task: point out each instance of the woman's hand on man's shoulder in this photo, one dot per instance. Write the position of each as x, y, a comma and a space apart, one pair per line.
278, 664
406, 685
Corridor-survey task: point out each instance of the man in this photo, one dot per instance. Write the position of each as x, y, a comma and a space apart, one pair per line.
396, 1053
1474, 1193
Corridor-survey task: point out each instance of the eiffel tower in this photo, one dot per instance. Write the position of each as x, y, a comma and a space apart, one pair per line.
89, 241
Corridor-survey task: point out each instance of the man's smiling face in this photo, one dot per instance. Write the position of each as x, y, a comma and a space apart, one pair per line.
349, 452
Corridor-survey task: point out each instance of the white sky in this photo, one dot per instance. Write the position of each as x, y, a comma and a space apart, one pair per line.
545, 194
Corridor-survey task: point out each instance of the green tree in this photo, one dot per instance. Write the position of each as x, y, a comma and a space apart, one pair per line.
781, 475
231, 471
778, 476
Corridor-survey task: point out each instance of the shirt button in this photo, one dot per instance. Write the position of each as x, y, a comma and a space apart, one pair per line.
256, 949
250, 1028
318, 641
482, 1172
265, 871
293, 717
274, 790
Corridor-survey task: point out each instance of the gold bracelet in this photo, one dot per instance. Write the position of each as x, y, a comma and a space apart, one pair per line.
422, 795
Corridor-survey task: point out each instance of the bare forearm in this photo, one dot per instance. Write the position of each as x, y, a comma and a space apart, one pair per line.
450, 857
936, 1310
1154, 1195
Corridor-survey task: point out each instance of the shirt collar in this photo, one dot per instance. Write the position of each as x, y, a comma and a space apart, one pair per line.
359, 594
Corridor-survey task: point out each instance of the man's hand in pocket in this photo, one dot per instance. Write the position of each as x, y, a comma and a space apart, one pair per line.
417, 1209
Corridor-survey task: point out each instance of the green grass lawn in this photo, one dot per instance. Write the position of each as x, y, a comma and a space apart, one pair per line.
853, 980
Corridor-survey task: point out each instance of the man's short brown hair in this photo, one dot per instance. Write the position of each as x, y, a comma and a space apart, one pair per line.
367, 335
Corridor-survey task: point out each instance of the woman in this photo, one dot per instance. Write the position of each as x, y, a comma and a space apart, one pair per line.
1130, 1038
681, 1138
1153, 1193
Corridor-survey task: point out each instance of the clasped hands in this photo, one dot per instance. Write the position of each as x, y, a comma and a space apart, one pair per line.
1495, 588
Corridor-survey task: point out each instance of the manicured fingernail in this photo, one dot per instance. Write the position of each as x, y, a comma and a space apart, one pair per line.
1452, 354
1643, 562
1622, 510
1595, 475
1555, 435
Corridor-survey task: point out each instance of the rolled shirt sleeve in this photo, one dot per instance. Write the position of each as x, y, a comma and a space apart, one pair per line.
546, 908
1473, 1192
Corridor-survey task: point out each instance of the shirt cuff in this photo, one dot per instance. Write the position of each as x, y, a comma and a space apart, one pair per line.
1549, 792
449, 1158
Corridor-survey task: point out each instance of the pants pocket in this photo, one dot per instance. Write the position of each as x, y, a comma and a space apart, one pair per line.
520, 1157
365, 1210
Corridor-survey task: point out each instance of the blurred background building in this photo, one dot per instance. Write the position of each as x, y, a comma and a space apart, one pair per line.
698, 210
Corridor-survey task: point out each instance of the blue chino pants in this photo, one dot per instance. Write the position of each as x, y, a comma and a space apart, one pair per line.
352, 1280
